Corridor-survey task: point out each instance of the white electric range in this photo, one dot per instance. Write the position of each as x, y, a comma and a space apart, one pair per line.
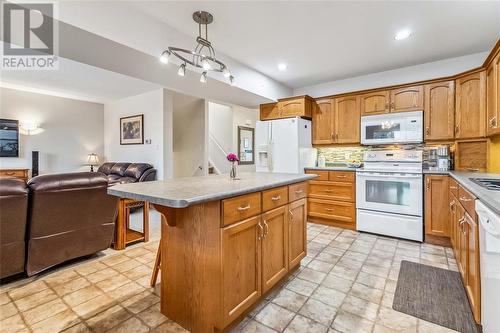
389, 194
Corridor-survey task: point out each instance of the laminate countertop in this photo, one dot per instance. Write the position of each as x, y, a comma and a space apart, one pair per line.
183, 192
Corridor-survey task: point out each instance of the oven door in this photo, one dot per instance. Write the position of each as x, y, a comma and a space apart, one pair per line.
399, 193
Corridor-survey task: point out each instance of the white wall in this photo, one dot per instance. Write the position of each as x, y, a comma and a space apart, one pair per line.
427, 71
151, 104
71, 130
188, 135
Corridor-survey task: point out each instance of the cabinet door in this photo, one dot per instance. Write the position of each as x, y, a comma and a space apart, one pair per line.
439, 110
241, 264
470, 111
297, 238
347, 119
452, 218
436, 205
274, 247
473, 282
269, 111
407, 99
462, 243
295, 107
375, 103
322, 121
493, 96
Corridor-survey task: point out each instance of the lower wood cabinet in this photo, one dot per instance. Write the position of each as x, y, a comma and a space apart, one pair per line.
274, 247
436, 205
297, 234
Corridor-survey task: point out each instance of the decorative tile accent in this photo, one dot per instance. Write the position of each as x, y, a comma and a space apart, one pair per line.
334, 155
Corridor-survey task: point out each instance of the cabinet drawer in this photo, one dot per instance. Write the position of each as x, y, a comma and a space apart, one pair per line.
322, 175
334, 210
240, 208
342, 176
297, 191
453, 187
467, 200
13, 173
273, 198
341, 191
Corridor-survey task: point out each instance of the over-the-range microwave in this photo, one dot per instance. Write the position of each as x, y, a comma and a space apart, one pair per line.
392, 128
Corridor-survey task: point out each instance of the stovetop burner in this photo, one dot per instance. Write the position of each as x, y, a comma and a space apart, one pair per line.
487, 183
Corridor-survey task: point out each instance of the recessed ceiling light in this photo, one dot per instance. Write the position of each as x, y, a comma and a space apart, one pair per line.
282, 67
403, 34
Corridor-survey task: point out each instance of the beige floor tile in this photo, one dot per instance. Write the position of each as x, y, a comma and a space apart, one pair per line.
328, 257
289, 300
366, 293
28, 289
14, 323
126, 291
387, 299
146, 258
345, 272
274, 316
114, 259
90, 268
382, 329
329, 296
140, 302
79, 328
7, 310
113, 282
337, 283
138, 251
396, 320
152, 316
371, 280
320, 266
391, 286
4, 298
137, 272
57, 323
311, 275
101, 275
349, 323
360, 307
318, 311
131, 325
381, 254
301, 324
347, 262
380, 271
252, 327
427, 327
60, 277
34, 300
302, 287
334, 250
378, 262
44, 311
355, 256
95, 305
440, 259
106, 320
126, 265
70, 286
82, 295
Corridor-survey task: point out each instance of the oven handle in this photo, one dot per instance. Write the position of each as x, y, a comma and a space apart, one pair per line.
386, 175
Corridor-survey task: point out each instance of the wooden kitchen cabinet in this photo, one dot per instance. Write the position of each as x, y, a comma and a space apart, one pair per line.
473, 279
299, 106
274, 247
470, 106
375, 102
493, 96
241, 263
269, 111
436, 205
407, 99
347, 119
452, 217
340, 191
297, 234
439, 114
323, 121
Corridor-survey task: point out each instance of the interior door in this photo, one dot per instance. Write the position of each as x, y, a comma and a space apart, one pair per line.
241, 264
470, 120
439, 110
347, 119
274, 247
407, 99
323, 121
297, 238
375, 103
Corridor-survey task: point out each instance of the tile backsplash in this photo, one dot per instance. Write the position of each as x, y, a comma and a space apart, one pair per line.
341, 154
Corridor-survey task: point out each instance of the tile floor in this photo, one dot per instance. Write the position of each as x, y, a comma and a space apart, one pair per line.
345, 284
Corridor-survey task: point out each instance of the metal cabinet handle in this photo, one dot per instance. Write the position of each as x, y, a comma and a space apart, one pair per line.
291, 215
428, 182
333, 136
329, 209
457, 129
266, 229
341, 176
328, 191
242, 209
299, 191
260, 234
464, 199
493, 122
454, 187
276, 198
427, 130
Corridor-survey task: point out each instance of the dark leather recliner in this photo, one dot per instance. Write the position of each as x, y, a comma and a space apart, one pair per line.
127, 172
13, 219
70, 216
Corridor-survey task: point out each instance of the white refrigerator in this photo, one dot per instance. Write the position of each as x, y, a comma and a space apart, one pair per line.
284, 145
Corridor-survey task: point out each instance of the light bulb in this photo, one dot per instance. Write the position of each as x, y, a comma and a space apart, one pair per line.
226, 72
182, 70
203, 78
164, 57
205, 64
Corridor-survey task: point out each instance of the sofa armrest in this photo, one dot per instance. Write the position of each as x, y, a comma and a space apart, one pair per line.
148, 175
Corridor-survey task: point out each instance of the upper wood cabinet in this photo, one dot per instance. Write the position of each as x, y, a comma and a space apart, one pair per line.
470, 108
297, 237
407, 99
493, 96
375, 103
347, 119
439, 114
436, 205
300, 106
323, 121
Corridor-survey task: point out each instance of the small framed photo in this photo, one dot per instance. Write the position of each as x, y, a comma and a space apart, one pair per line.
132, 130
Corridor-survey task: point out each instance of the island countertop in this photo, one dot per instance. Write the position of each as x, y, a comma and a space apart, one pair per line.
184, 192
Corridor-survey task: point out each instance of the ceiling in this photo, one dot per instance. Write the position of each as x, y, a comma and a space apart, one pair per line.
78, 81
330, 40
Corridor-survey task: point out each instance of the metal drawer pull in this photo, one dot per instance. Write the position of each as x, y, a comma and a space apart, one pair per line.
266, 229
454, 187
260, 234
329, 191
299, 191
241, 209
329, 209
465, 199
341, 176
291, 215
276, 198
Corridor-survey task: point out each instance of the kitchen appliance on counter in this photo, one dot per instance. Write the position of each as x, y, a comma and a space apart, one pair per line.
393, 128
389, 194
438, 159
489, 258
284, 145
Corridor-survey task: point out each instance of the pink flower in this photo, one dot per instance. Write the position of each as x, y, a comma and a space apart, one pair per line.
231, 157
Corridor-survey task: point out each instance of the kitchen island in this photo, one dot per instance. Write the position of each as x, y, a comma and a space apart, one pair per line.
224, 243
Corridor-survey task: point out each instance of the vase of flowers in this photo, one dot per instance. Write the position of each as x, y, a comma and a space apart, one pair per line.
231, 157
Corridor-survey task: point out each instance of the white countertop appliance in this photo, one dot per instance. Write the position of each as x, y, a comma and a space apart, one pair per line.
389, 191
284, 145
489, 259
392, 128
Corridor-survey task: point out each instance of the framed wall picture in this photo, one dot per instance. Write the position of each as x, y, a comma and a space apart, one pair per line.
132, 130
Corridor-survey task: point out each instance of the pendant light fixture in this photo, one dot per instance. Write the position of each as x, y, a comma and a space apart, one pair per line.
203, 56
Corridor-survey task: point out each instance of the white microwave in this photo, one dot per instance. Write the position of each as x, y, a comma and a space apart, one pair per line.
392, 128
